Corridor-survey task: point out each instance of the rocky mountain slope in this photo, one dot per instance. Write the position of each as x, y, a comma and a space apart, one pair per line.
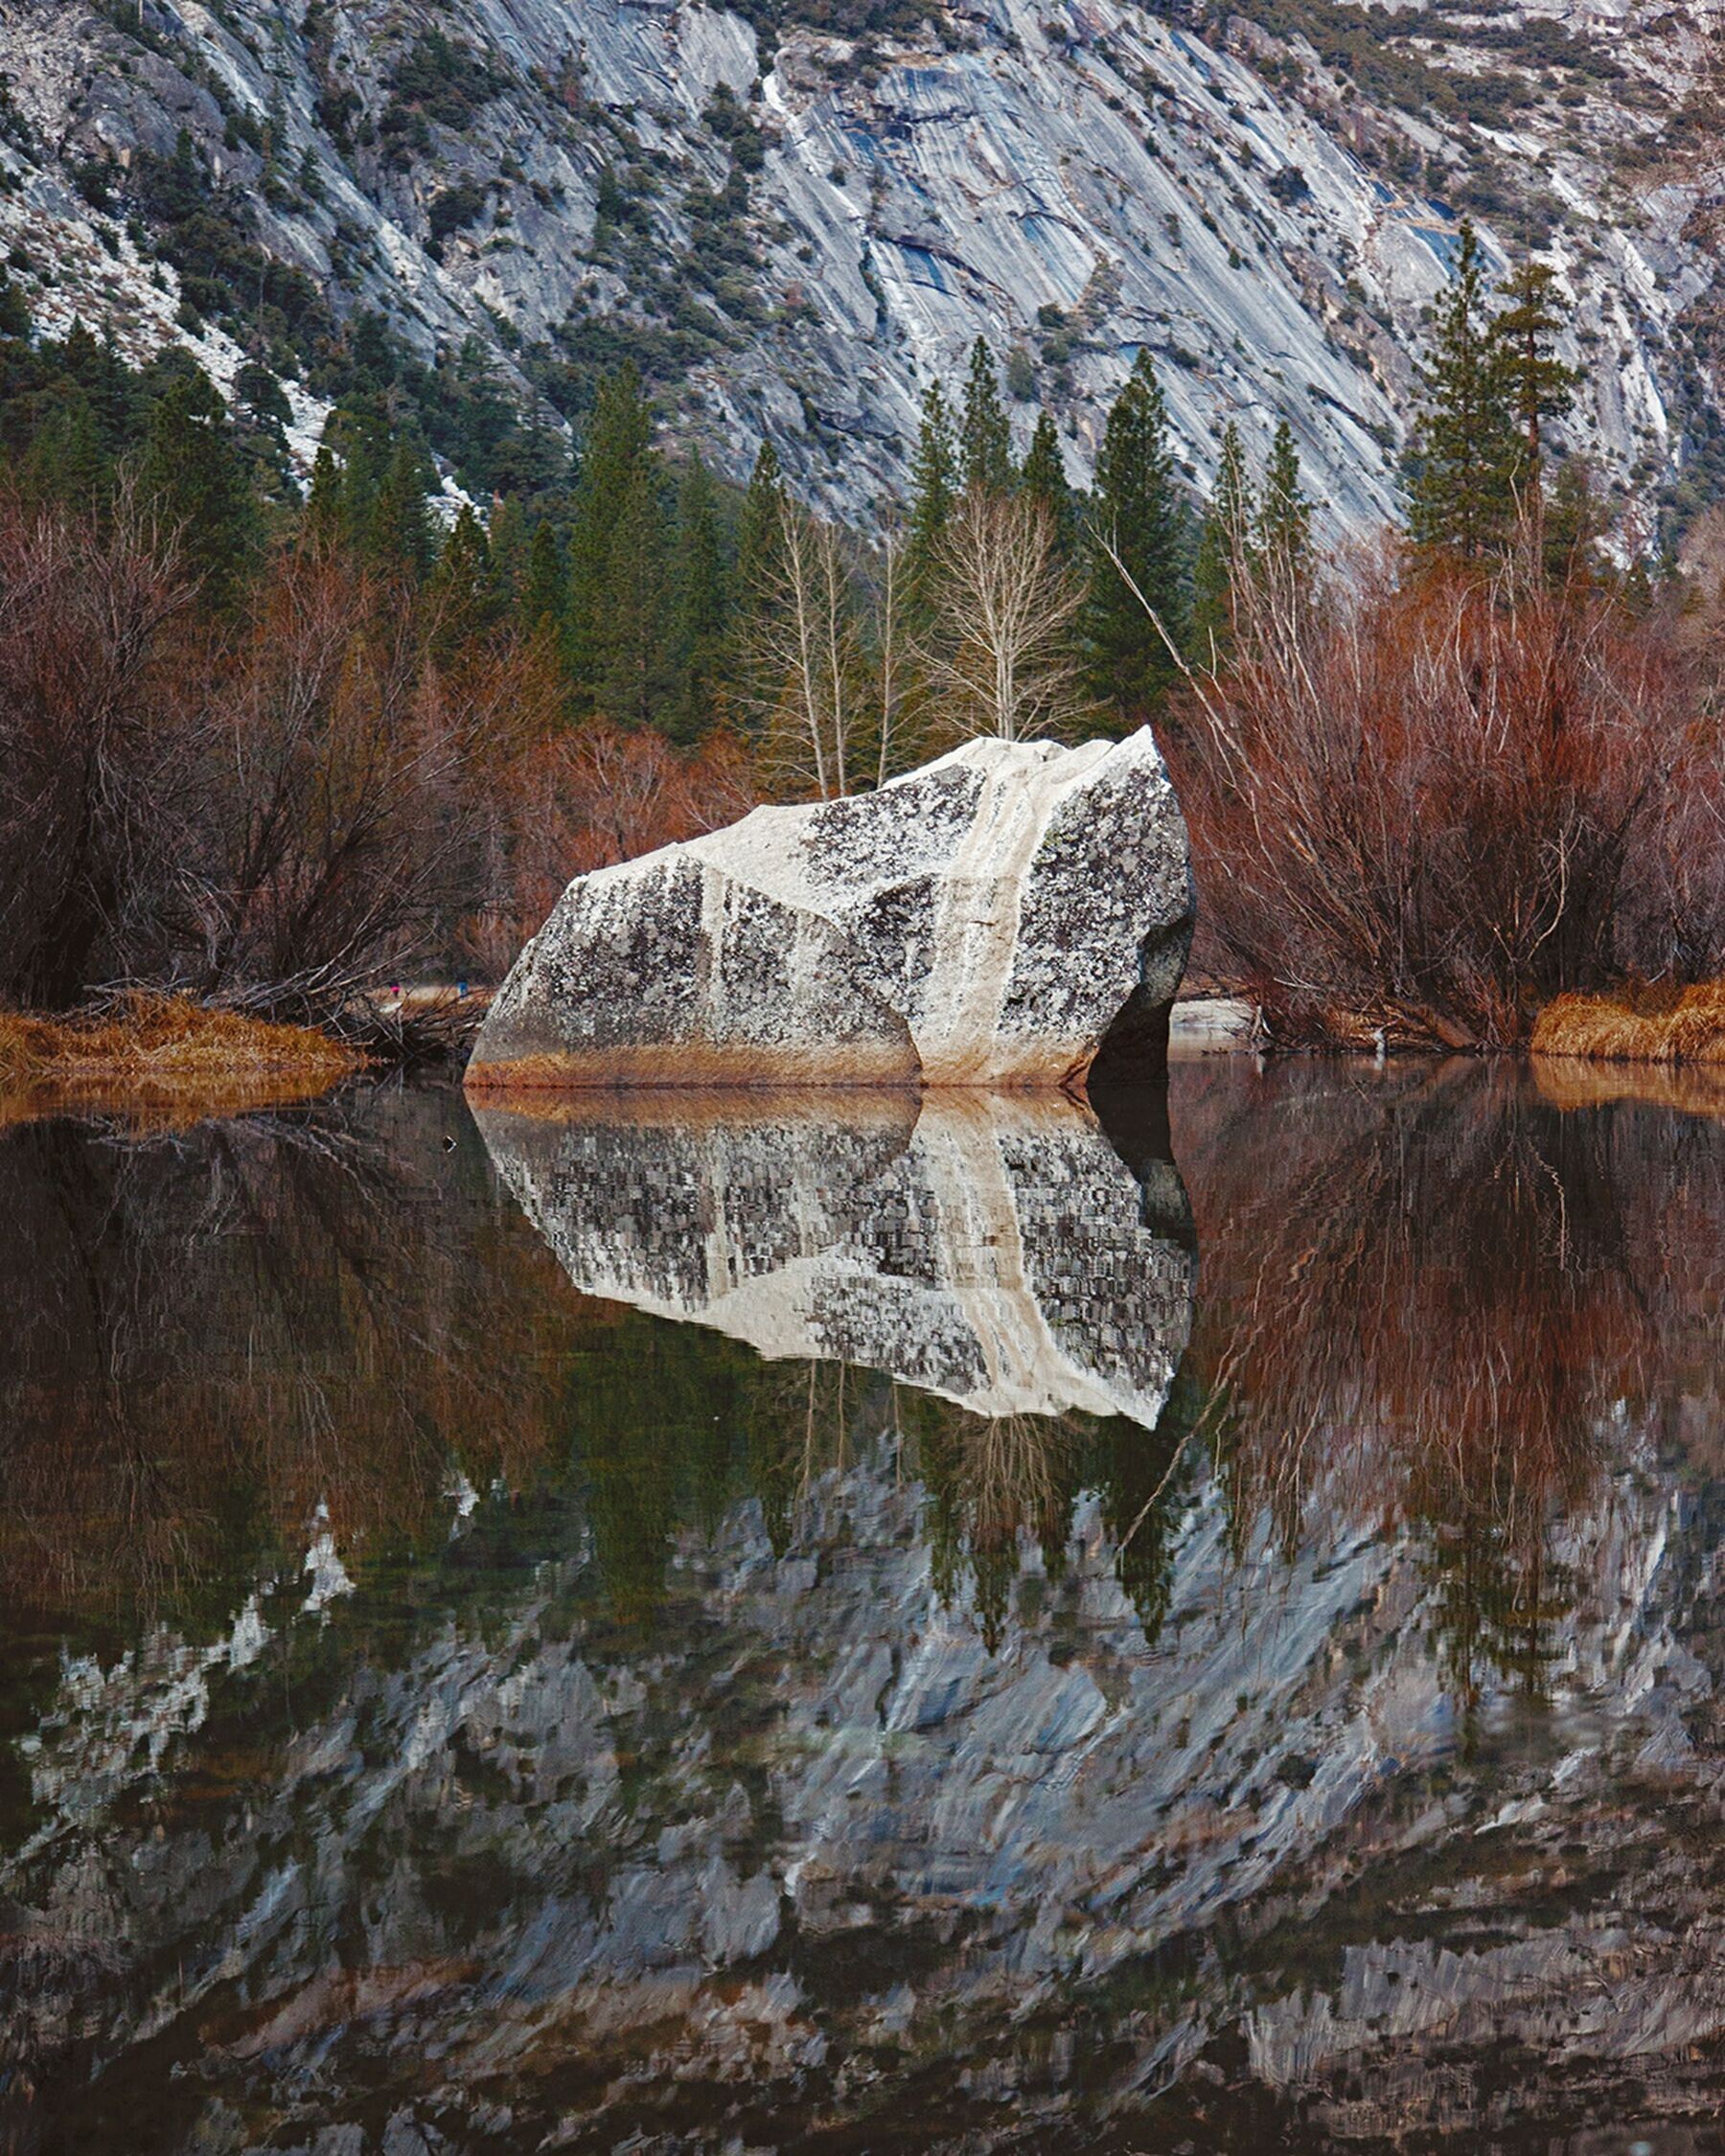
796, 221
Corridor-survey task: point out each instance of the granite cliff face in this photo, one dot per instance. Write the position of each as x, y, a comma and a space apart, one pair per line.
1012, 914
795, 228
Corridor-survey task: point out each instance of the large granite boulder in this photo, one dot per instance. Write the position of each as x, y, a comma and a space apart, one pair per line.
1010, 915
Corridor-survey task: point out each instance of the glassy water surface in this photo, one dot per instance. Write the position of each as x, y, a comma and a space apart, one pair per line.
826, 1628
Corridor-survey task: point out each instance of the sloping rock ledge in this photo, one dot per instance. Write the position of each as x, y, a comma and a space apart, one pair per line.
1013, 914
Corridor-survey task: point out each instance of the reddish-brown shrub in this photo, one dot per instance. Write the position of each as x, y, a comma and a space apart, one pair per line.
95, 766
581, 800
1430, 806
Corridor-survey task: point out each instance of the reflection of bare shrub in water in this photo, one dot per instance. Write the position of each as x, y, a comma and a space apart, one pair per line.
1417, 1306
1000, 1485
212, 1336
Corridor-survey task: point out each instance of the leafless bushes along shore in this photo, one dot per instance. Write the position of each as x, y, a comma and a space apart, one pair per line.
274, 811
1429, 804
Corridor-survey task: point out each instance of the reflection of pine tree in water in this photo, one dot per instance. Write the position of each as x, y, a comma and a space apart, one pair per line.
672, 1427
1142, 1477
998, 1482
658, 1419
1499, 1602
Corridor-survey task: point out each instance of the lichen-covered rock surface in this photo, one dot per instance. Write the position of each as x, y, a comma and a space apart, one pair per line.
1000, 917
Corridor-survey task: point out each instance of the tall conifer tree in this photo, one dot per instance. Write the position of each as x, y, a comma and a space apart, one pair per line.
635, 674
618, 445
509, 535
759, 539
1465, 453
1044, 479
701, 602
1284, 526
984, 433
398, 531
464, 587
1134, 515
1538, 385
758, 526
934, 486
543, 604
191, 474
67, 462
1224, 552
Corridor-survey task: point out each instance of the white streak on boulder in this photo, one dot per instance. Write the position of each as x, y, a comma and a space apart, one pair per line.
993, 919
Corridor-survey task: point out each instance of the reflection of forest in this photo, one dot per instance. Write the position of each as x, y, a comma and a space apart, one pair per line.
220, 1335
1429, 1296
213, 1335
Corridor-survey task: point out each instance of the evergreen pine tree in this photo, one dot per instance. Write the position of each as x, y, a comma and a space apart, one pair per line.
510, 537
111, 387
984, 434
618, 446
65, 462
353, 455
325, 519
703, 603
398, 533
759, 541
191, 474
758, 527
636, 676
934, 486
1466, 451
15, 310
1136, 515
1285, 518
542, 603
1575, 522
1539, 387
466, 599
1224, 552
1044, 480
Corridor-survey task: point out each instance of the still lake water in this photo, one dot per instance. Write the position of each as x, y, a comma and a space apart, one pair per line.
821, 1630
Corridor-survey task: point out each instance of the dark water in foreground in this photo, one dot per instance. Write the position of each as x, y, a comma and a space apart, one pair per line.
810, 1633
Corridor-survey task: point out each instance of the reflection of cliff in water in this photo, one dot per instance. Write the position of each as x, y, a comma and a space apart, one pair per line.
774, 1754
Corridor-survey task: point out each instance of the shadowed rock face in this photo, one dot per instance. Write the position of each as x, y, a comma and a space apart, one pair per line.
996, 919
999, 1254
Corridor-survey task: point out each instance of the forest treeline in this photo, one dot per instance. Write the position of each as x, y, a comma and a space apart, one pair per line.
262, 747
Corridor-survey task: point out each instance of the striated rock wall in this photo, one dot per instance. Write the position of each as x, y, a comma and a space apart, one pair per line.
1074, 180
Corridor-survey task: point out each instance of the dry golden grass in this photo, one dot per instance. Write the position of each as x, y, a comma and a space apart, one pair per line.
163, 1059
1637, 1025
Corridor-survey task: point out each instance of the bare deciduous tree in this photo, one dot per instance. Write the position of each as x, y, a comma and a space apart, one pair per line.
897, 677
95, 766
805, 653
1429, 806
1001, 660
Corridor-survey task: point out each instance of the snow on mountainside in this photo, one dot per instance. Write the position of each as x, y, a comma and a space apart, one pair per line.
795, 231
